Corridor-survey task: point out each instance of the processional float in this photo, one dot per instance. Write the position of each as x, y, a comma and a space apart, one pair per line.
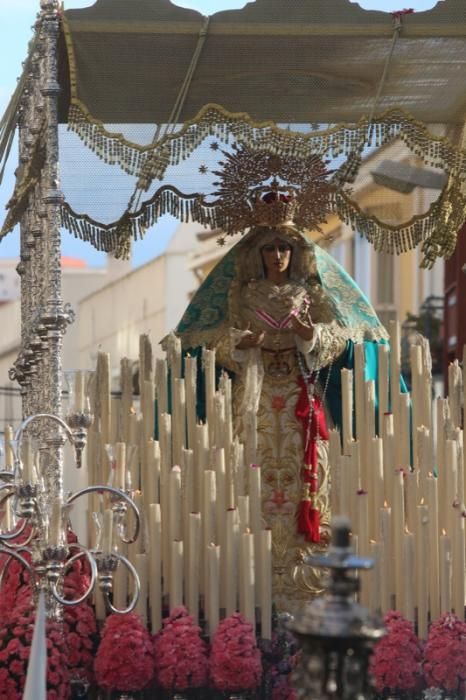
56, 81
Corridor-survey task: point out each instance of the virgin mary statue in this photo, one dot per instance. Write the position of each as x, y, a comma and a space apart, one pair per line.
283, 317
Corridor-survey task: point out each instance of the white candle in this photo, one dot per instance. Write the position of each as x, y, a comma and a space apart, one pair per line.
231, 560
347, 408
247, 578
378, 492
208, 517
388, 578
404, 441
445, 573
174, 514
408, 566
179, 419
155, 581
243, 512
176, 575
422, 553
190, 378
383, 377
415, 352
213, 612
389, 464
398, 524
375, 576
141, 605
107, 532
359, 362
120, 465
434, 556
194, 565
334, 460
265, 595
208, 357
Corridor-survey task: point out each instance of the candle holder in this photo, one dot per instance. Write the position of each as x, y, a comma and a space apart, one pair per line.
336, 633
40, 523
79, 416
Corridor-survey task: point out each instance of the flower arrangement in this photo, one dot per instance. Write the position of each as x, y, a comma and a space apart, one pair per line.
445, 655
124, 659
396, 661
15, 648
180, 654
235, 662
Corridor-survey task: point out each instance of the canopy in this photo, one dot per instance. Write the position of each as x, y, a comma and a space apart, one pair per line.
295, 61
145, 82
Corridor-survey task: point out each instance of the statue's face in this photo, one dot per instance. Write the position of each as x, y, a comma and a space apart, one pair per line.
276, 256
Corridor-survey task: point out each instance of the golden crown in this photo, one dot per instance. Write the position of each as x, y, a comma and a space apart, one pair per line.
257, 188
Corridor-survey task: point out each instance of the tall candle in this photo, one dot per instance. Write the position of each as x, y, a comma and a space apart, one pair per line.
359, 363
404, 441
395, 363
445, 573
422, 553
389, 463
334, 459
247, 578
375, 575
176, 575
141, 605
107, 532
174, 528
378, 491
408, 566
243, 512
231, 560
213, 612
398, 524
415, 352
347, 408
194, 565
190, 378
155, 580
388, 579
434, 556
120, 467
383, 377
178, 420
208, 357
208, 518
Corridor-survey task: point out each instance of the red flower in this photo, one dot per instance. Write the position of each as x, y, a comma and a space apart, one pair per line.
124, 637
396, 661
445, 654
180, 653
235, 662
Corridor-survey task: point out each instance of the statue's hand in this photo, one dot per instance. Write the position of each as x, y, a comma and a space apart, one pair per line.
251, 340
302, 329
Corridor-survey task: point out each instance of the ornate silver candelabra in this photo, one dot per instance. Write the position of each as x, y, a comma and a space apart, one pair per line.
37, 516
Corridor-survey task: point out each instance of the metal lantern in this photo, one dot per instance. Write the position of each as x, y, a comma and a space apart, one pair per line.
336, 634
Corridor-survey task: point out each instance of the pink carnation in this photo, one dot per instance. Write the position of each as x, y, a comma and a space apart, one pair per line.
445, 654
235, 662
396, 661
180, 653
124, 638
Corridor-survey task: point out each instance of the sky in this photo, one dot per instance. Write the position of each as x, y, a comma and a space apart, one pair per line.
16, 20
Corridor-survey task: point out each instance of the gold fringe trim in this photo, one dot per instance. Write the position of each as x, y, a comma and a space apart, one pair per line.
215, 121
436, 229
